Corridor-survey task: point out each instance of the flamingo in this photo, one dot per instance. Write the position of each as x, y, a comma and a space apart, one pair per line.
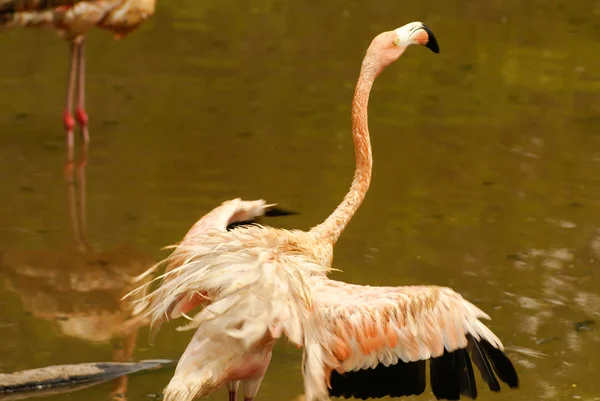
73, 19
214, 270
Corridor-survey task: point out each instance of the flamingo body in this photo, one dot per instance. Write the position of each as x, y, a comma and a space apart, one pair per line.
74, 18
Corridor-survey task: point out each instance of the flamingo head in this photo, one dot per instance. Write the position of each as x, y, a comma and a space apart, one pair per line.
416, 33
388, 46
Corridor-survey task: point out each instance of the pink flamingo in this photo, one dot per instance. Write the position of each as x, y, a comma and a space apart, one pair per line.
213, 273
72, 19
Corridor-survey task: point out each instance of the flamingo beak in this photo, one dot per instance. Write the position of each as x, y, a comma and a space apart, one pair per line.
431, 43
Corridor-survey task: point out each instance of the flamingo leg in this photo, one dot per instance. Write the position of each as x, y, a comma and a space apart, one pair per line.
80, 113
68, 120
82, 120
233, 387
251, 386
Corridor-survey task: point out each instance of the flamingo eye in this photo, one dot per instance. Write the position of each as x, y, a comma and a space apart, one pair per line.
396, 42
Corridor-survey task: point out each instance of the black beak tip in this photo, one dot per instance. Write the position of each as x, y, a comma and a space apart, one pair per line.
432, 43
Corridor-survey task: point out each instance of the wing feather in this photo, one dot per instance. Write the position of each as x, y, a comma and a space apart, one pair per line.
483, 365
421, 323
378, 336
468, 386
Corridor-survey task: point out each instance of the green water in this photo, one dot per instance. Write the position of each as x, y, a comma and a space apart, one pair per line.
484, 177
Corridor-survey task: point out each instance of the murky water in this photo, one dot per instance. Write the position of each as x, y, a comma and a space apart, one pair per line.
485, 176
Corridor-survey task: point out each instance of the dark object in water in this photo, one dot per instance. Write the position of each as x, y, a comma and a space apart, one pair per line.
272, 211
69, 377
586, 325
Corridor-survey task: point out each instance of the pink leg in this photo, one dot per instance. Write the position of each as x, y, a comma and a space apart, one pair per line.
248, 398
80, 114
68, 120
232, 387
82, 120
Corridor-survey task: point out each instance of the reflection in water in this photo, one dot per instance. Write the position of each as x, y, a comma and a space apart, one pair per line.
79, 288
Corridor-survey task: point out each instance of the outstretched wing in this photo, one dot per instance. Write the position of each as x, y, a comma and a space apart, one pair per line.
375, 341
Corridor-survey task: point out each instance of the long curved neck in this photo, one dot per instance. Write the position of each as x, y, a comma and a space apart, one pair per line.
333, 226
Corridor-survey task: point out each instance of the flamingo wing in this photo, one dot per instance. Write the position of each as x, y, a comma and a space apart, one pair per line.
220, 219
227, 215
375, 341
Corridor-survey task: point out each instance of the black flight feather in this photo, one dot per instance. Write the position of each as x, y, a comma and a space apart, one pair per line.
502, 365
480, 360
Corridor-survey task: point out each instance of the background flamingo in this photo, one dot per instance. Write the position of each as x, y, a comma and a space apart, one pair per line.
72, 19
241, 250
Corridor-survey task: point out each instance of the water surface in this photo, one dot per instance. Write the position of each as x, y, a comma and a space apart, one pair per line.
484, 178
